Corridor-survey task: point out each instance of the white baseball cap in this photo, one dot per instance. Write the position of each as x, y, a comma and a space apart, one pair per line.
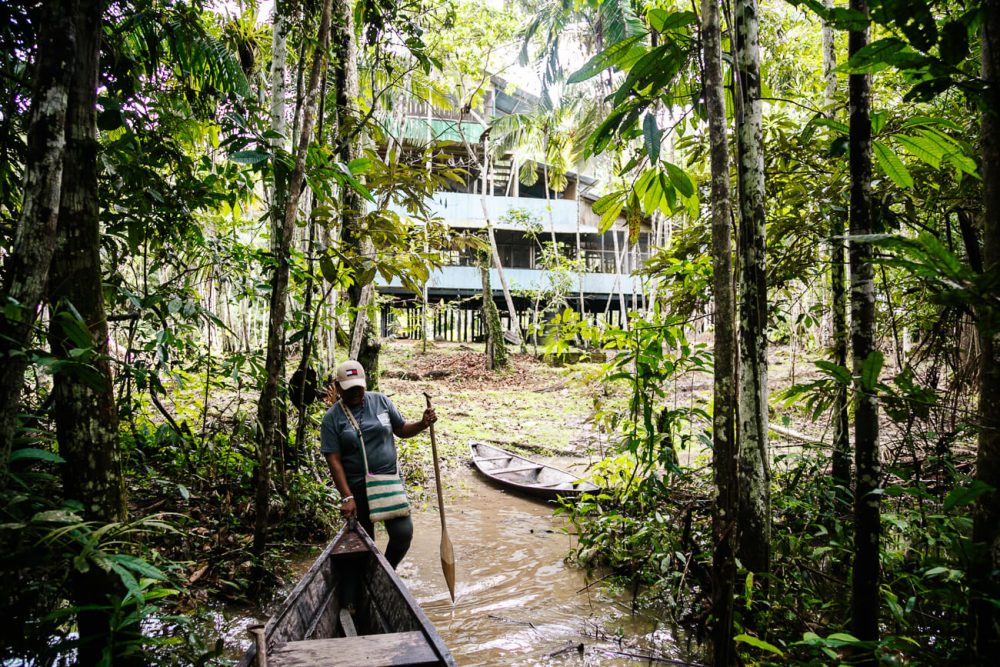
350, 374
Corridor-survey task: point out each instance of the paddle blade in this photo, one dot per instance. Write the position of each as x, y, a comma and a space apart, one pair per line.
448, 563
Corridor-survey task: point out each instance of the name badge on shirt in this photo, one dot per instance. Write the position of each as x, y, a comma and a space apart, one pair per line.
383, 418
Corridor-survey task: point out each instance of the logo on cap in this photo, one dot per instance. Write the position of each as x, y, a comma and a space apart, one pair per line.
351, 372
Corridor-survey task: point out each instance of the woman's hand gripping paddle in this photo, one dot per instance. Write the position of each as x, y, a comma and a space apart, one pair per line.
447, 551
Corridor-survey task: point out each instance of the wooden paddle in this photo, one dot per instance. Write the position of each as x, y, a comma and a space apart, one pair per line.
447, 551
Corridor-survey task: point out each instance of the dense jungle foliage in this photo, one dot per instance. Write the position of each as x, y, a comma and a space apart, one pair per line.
198, 200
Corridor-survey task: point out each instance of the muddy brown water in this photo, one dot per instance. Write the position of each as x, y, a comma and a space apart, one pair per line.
517, 601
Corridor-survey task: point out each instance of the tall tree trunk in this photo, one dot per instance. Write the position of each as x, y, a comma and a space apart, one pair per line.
34, 242
364, 339
85, 410
841, 460
86, 415
280, 143
268, 412
515, 326
986, 518
723, 418
754, 539
865, 597
309, 340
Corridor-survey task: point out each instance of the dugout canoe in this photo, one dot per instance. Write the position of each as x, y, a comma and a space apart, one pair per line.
350, 609
529, 477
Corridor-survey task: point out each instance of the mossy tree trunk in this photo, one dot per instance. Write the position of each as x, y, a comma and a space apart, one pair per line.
496, 348
865, 580
34, 243
986, 517
723, 418
754, 507
85, 412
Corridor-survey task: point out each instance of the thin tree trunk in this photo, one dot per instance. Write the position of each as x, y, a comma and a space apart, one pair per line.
620, 270
309, 340
279, 53
986, 516
364, 341
841, 459
268, 417
515, 327
754, 539
865, 581
723, 418
580, 266
34, 242
548, 206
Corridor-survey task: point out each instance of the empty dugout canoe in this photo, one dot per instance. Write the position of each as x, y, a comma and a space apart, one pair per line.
350, 609
526, 476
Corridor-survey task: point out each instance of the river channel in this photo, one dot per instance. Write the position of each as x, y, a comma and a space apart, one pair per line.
517, 601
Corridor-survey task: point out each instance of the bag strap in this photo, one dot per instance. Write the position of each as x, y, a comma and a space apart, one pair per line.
354, 422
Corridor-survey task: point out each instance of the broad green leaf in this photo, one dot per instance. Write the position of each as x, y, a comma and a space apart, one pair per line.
833, 125
758, 643
892, 166
840, 17
839, 373
609, 207
248, 157
56, 516
647, 188
329, 269
878, 121
954, 43
609, 57
680, 179
669, 202
139, 566
655, 69
359, 165
876, 55
921, 148
965, 495
75, 328
651, 133
870, 369
918, 121
953, 151
661, 20
34, 454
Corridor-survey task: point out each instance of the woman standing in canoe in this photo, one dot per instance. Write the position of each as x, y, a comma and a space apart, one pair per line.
369, 460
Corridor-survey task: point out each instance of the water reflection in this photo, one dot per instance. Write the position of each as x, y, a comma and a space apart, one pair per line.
517, 602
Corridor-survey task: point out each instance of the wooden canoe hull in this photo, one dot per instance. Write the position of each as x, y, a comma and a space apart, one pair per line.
351, 574
525, 476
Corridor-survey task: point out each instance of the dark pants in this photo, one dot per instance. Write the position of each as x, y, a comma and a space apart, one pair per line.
400, 529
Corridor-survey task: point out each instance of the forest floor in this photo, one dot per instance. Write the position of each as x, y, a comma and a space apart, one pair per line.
538, 408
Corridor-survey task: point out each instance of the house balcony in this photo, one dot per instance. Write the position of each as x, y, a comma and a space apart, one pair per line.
465, 210
520, 256
466, 281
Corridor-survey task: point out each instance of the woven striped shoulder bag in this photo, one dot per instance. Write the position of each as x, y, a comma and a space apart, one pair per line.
386, 493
